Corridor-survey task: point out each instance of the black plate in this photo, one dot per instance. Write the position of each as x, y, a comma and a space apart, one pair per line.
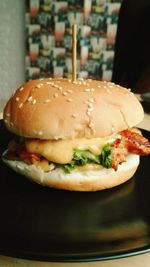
45, 224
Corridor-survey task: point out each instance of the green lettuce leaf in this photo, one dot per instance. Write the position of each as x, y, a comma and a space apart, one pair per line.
68, 167
83, 157
106, 156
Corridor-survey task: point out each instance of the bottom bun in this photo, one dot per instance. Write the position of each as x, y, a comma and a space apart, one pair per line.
90, 180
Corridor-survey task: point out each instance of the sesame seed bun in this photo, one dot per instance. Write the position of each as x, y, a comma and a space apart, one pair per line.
62, 109
92, 180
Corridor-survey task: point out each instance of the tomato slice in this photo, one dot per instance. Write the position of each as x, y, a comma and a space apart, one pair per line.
18, 152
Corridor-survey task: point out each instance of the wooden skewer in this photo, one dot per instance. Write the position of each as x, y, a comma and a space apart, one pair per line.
74, 51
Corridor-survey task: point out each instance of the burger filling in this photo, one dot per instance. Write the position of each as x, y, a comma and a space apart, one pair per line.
79, 153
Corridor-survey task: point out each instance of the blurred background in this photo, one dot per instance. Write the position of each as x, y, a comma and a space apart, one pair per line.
12, 46
49, 36
35, 40
113, 41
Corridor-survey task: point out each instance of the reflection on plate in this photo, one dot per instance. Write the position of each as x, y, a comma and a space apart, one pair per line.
146, 101
146, 97
47, 224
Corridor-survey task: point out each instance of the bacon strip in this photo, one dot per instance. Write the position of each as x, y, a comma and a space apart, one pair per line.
17, 152
131, 141
135, 142
119, 153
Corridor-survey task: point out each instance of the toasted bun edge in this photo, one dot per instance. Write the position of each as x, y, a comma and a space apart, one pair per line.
93, 180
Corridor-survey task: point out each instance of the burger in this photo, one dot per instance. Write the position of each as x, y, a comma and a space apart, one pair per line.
74, 135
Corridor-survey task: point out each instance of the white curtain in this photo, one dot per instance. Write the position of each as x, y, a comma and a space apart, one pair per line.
12, 46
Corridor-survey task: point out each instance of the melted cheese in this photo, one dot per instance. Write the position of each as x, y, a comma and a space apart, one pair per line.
61, 151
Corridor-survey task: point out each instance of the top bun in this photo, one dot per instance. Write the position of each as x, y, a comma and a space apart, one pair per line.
61, 109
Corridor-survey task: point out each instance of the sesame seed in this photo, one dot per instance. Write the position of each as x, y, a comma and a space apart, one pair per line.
128, 94
81, 79
39, 85
91, 124
30, 98
108, 91
21, 89
90, 105
92, 89
69, 99
49, 83
11, 123
87, 90
91, 100
8, 114
17, 98
56, 85
21, 104
88, 112
69, 91
34, 102
47, 101
6, 121
40, 133
59, 87
74, 115
111, 83
99, 86
55, 95
64, 93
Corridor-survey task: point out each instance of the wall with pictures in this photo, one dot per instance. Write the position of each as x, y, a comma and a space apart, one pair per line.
49, 37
